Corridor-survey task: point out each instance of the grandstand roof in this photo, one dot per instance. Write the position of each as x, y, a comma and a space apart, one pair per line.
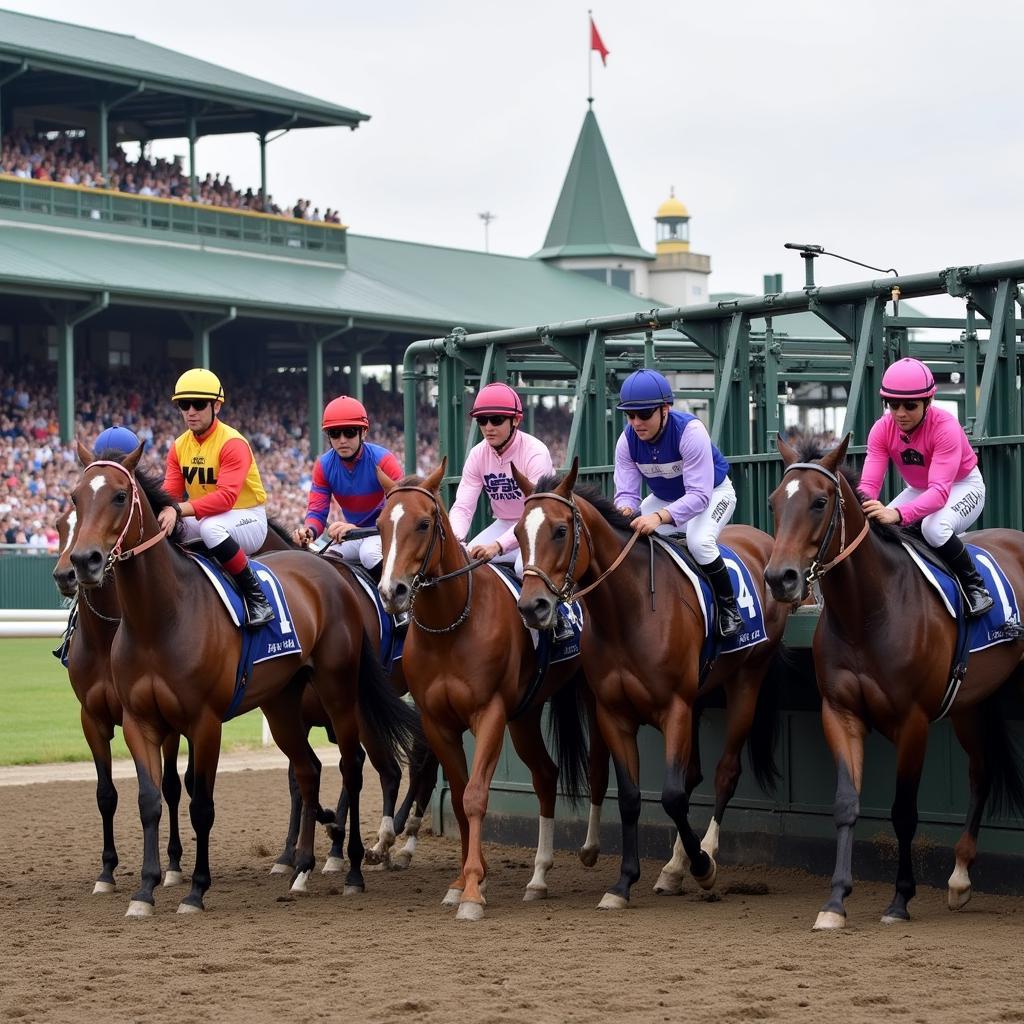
392, 284
68, 65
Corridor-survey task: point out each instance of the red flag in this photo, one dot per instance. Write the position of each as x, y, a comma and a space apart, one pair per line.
597, 44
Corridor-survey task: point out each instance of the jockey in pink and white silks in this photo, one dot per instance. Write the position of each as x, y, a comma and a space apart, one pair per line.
498, 412
945, 492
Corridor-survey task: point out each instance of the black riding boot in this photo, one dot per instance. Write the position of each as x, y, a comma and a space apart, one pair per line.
979, 600
730, 622
257, 609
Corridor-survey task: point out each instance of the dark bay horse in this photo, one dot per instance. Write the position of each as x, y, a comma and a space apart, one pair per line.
175, 654
883, 652
468, 663
643, 666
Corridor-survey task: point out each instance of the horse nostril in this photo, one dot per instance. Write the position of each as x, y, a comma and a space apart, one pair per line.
400, 591
790, 578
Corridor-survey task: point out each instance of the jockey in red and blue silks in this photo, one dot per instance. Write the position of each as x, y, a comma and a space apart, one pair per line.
945, 491
347, 471
688, 478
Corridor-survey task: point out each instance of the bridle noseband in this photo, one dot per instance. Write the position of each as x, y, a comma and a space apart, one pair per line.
816, 569
564, 593
116, 554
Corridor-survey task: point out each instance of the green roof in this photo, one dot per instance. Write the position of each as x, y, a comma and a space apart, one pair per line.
591, 218
64, 62
420, 289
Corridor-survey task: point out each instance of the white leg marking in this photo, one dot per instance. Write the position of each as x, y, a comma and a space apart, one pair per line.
959, 887
670, 881
537, 888
592, 844
533, 520
709, 844
385, 840
404, 856
389, 565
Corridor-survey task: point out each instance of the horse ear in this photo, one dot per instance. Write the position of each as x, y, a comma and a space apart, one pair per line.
830, 460
85, 457
433, 482
131, 460
788, 453
524, 485
569, 480
384, 480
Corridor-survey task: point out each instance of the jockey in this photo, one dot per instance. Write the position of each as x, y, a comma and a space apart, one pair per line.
688, 478
348, 472
116, 439
211, 467
945, 492
498, 412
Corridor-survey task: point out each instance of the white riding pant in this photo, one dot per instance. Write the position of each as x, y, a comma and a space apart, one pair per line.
963, 506
248, 526
702, 530
367, 551
490, 534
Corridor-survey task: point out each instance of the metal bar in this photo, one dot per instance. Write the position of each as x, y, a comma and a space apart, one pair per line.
732, 342
1001, 309
868, 326
583, 408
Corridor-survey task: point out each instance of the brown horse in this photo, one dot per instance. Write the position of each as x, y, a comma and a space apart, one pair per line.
174, 660
468, 663
883, 651
643, 666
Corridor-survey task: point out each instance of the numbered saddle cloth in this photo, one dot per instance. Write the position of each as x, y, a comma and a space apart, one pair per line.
392, 639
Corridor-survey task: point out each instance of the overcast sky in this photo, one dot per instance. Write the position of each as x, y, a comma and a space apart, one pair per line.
886, 131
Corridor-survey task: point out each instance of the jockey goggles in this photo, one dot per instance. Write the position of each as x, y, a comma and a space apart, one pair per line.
335, 432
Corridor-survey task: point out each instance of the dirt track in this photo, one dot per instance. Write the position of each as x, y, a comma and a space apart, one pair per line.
259, 954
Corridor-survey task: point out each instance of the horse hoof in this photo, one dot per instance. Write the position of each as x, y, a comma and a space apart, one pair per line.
469, 911
401, 861
707, 881
957, 898
281, 869
888, 918
189, 908
588, 855
173, 878
829, 921
669, 884
333, 864
610, 901
103, 888
452, 898
301, 882
140, 908
532, 894
373, 857
353, 890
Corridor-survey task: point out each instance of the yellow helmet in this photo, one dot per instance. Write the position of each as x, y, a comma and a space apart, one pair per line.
198, 383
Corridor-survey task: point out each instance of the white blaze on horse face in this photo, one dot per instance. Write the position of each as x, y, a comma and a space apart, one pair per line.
96, 483
389, 565
72, 526
792, 487
533, 520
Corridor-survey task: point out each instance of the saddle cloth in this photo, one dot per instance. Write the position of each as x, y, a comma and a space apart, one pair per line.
392, 640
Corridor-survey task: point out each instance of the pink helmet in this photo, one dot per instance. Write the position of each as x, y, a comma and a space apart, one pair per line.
497, 399
907, 378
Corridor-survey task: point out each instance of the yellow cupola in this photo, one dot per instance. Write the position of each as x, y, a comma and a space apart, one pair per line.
673, 225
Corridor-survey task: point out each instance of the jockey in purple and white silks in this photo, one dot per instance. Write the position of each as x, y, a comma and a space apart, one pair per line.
945, 492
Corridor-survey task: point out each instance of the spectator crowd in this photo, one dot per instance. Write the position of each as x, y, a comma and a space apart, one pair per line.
69, 159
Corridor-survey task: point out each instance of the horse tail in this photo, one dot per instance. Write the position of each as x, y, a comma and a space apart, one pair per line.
396, 723
567, 730
764, 730
1002, 756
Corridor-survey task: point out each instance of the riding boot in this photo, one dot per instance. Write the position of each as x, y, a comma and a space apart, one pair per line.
730, 622
957, 557
257, 608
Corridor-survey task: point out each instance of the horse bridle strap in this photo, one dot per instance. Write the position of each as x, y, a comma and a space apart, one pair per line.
116, 554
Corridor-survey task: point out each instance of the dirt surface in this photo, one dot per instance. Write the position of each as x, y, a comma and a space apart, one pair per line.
393, 954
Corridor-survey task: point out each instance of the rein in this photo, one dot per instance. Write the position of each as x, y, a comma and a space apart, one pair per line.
816, 569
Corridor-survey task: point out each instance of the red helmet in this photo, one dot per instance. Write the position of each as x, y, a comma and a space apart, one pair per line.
497, 399
907, 378
345, 412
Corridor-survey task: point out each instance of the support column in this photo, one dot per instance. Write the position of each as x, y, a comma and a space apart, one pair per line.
202, 327
263, 171
104, 145
315, 389
66, 364
20, 70
356, 374
192, 156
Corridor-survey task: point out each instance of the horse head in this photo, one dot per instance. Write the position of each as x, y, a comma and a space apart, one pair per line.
549, 534
64, 571
106, 501
807, 507
411, 535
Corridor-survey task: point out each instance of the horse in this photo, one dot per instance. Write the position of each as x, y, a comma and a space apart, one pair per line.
645, 668
883, 651
174, 659
469, 663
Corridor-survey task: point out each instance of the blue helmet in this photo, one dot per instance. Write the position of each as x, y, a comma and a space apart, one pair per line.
118, 438
645, 389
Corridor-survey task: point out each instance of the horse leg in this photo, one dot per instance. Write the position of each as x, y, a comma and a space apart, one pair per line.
205, 738
352, 759
670, 881
336, 856
845, 737
598, 774
620, 738
390, 772
285, 862
422, 780
910, 748
528, 740
171, 786
145, 750
489, 732
970, 734
98, 735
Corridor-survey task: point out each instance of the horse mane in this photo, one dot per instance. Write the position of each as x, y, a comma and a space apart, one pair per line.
275, 526
604, 505
149, 483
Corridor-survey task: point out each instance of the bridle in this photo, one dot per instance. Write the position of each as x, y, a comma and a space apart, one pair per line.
421, 581
816, 569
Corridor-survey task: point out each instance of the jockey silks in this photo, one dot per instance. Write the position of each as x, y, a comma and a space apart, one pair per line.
353, 483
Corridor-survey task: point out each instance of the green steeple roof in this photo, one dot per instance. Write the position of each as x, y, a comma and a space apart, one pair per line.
591, 218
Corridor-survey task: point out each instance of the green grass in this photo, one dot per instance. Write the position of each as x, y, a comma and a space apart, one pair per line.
39, 713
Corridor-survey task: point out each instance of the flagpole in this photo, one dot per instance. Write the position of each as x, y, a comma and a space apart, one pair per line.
590, 58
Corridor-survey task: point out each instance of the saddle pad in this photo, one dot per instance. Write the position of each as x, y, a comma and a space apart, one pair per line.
748, 600
1001, 623
562, 647
392, 641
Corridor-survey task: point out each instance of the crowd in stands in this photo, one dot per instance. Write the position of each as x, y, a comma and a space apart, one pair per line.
70, 159
37, 471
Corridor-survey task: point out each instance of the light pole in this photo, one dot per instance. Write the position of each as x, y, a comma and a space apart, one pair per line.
487, 217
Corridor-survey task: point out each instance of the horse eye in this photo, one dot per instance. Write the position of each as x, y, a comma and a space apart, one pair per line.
561, 532
423, 525
819, 503
121, 498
